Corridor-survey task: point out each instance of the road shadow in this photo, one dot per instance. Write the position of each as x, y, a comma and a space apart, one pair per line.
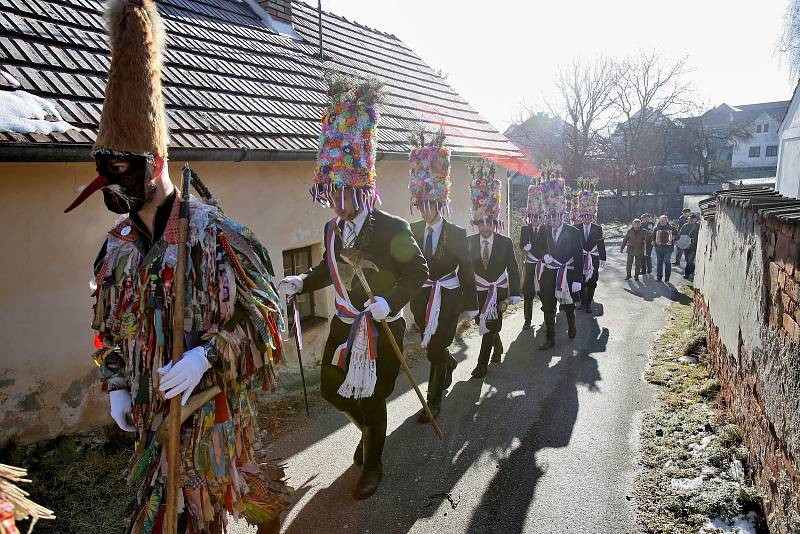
650, 289
526, 403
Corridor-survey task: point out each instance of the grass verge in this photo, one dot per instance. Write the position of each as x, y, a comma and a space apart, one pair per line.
694, 476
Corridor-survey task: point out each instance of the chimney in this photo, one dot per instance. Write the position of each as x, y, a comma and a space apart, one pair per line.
279, 10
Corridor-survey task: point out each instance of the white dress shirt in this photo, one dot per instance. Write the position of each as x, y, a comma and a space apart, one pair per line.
437, 231
358, 221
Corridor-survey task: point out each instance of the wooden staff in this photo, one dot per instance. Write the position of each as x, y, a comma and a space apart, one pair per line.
173, 442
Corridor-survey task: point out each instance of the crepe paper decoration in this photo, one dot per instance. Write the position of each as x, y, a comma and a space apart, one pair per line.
429, 175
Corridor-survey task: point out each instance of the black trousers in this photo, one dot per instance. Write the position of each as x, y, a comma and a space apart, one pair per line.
370, 411
445, 332
547, 293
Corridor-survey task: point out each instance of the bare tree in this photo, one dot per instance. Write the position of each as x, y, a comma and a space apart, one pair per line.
586, 91
649, 93
789, 40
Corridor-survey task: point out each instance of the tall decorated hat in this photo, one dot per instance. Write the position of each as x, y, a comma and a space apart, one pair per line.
134, 120
348, 142
485, 192
587, 198
536, 207
554, 193
429, 177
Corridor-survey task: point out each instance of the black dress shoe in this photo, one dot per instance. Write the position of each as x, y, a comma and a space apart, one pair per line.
423, 415
368, 482
526, 326
358, 456
549, 343
479, 371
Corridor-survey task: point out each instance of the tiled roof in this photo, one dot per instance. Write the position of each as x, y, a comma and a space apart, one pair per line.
767, 202
230, 83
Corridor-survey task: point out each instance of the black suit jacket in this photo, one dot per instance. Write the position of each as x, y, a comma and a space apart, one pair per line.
528, 235
386, 241
451, 252
501, 260
567, 247
595, 239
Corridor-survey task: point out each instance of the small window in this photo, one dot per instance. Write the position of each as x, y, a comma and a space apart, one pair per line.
766, 128
772, 151
296, 262
755, 151
758, 129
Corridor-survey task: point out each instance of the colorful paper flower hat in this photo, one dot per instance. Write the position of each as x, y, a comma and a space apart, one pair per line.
587, 198
536, 207
429, 177
485, 193
572, 205
348, 142
554, 193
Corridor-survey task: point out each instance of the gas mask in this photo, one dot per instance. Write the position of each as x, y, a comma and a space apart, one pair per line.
122, 179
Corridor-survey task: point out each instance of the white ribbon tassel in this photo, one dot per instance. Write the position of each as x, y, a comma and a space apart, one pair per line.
489, 311
434, 307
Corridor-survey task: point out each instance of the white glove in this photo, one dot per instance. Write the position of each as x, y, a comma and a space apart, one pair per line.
121, 404
379, 309
513, 300
185, 375
548, 259
527, 248
291, 285
576, 286
473, 313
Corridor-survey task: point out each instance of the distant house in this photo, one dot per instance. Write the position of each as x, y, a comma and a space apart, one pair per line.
540, 137
787, 180
757, 150
244, 92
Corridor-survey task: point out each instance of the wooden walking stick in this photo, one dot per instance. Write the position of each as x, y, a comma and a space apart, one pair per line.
173, 442
397, 352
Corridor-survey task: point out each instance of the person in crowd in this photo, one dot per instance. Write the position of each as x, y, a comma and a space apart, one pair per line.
647, 259
663, 241
635, 240
691, 230
683, 219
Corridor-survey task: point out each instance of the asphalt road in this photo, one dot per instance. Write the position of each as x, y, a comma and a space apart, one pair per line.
547, 442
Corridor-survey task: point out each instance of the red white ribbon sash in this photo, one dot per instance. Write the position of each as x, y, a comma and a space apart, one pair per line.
449, 281
489, 311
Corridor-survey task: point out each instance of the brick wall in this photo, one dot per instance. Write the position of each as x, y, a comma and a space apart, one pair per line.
746, 295
278, 9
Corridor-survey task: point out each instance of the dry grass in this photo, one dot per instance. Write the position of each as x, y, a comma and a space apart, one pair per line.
693, 458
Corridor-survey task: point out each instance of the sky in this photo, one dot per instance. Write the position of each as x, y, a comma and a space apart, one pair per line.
502, 56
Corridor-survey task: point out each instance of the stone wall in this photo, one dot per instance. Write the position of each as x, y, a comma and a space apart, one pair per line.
746, 294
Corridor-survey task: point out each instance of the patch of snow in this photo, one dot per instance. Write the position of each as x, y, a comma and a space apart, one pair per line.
25, 113
708, 470
737, 471
697, 447
13, 82
739, 525
687, 483
691, 360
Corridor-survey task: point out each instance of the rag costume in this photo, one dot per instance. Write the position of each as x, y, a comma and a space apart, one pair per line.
560, 249
534, 216
494, 263
450, 287
592, 242
233, 322
359, 368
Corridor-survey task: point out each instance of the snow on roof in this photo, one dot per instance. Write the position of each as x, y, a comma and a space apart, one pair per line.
26, 113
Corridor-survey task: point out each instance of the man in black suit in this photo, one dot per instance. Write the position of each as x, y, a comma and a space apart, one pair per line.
497, 278
449, 290
594, 251
559, 246
533, 265
357, 384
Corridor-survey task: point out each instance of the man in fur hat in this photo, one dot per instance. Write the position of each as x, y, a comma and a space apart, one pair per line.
527, 243
450, 288
592, 242
233, 322
559, 246
359, 367
494, 263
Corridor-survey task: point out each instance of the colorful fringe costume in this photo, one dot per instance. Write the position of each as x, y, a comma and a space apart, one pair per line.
231, 306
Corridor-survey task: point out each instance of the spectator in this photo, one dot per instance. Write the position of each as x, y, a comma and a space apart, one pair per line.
663, 238
689, 243
635, 239
683, 219
647, 226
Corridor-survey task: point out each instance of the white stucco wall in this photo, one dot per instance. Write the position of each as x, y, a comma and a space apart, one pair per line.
741, 149
787, 181
730, 275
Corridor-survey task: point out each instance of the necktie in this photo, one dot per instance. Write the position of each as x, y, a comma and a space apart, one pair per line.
586, 232
349, 234
555, 235
485, 254
428, 244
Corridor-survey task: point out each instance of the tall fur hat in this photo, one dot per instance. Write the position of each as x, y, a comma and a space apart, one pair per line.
429, 177
134, 118
485, 191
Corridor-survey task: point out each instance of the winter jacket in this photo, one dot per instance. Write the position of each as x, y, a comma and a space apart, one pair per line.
635, 240
664, 238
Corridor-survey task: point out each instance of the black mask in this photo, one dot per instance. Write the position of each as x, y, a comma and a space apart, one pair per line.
126, 174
